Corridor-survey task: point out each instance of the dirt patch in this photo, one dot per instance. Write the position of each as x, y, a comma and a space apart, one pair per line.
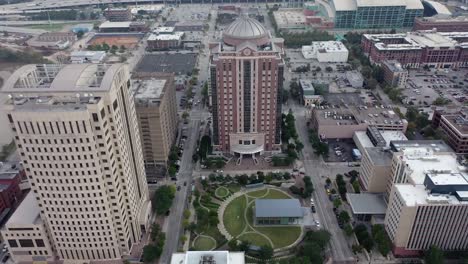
129, 42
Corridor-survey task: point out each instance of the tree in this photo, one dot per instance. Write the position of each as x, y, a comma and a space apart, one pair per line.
434, 255
232, 244
150, 253
105, 46
79, 34
313, 251
328, 69
172, 171
244, 246
356, 187
337, 203
344, 217
299, 146
265, 252
185, 115
162, 199
155, 231
320, 237
348, 230
371, 83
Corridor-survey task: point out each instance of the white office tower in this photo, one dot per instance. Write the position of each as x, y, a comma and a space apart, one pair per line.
77, 134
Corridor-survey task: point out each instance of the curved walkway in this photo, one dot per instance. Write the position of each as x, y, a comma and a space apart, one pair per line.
200, 235
248, 229
255, 231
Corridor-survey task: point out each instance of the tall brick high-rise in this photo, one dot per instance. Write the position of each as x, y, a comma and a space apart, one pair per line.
246, 80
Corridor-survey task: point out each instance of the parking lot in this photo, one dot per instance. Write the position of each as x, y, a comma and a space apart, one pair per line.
340, 150
179, 63
423, 87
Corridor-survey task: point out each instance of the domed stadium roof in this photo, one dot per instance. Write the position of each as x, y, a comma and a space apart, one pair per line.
244, 28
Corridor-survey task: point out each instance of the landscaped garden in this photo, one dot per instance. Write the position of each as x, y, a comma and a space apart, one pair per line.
238, 221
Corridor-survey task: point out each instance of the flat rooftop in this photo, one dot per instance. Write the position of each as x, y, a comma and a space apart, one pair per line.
379, 156
353, 115
387, 136
345, 5
394, 66
148, 90
109, 24
328, 46
27, 212
278, 208
175, 36
448, 178
367, 203
459, 122
421, 161
435, 146
180, 63
418, 195
289, 17
52, 78
164, 30
216, 257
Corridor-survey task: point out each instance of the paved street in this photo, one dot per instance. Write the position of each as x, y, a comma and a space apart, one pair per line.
185, 175
318, 171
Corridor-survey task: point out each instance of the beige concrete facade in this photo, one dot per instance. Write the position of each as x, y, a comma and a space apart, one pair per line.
26, 234
156, 108
416, 220
373, 173
78, 138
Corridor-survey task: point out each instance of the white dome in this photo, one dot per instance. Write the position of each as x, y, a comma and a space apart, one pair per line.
246, 28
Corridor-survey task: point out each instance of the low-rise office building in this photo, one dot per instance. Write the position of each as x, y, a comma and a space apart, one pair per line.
418, 48
128, 26
455, 128
165, 41
156, 108
326, 51
342, 122
394, 74
442, 24
309, 97
26, 233
376, 158
118, 14
278, 212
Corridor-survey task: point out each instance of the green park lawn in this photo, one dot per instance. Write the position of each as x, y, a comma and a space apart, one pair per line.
233, 217
275, 194
204, 243
258, 193
221, 192
233, 188
281, 236
254, 239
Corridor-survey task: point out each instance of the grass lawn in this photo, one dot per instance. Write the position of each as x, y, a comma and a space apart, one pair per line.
258, 193
51, 27
255, 239
281, 236
213, 232
275, 194
221, 192
233, 217
234, 188
204, 243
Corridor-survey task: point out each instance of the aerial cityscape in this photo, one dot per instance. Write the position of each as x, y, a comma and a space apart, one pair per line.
233, 132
